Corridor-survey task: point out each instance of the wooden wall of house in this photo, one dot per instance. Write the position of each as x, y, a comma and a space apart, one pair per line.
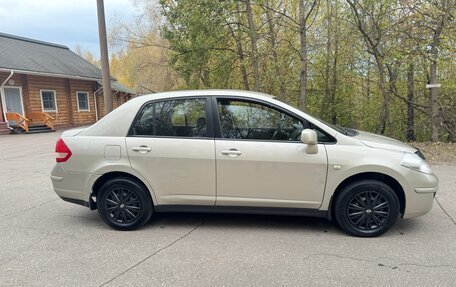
100, 105
65, 91
34, 85
118, 99
67, 107
82, 117
16, 77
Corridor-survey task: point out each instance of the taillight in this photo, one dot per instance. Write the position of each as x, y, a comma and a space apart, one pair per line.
62, 152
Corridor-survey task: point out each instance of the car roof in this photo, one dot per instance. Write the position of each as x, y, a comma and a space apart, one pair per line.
209, 92
118, 122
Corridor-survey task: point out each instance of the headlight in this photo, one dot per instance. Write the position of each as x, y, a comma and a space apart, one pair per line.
413, 161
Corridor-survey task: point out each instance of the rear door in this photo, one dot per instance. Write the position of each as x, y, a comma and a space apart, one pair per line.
261, 161
171, 144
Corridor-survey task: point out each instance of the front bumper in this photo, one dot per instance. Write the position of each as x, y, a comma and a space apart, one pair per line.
74, 187
420, 196
426, 189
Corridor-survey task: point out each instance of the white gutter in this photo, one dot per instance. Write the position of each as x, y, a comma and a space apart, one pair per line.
49, 74
2, 90
95, 102
8, 78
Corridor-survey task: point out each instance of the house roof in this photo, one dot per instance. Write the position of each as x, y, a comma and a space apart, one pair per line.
24, 54
116, 86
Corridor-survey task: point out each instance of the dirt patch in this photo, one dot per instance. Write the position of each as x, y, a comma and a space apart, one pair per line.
438, 152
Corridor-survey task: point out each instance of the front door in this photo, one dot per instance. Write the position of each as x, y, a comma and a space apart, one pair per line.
171, 145
260, 160
13, 101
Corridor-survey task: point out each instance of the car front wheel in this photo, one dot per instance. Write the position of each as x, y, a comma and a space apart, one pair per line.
124, 204
366, 208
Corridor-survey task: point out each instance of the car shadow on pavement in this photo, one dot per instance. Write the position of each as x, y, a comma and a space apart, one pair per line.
239, 222
91, 219
243, 221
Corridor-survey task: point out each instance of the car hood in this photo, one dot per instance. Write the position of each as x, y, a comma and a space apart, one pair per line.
382, 142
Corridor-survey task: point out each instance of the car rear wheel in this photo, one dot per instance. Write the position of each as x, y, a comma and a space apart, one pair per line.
124, 204
366, 208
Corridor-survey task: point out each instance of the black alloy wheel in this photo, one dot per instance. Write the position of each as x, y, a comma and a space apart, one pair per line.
366, 208
124, 203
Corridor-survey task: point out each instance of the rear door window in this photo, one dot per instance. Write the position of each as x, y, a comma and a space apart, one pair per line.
172, 118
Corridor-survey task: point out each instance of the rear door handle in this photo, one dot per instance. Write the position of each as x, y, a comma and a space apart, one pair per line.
232, 152
141, 148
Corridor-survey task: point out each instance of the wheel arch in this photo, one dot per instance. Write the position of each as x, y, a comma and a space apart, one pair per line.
388, 180
114, 174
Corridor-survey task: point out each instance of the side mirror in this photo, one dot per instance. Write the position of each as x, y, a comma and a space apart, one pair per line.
309, 137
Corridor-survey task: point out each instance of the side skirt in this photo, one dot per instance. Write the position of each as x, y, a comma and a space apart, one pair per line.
241, 210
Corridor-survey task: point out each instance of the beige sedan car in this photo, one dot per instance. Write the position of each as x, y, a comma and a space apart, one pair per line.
238, 152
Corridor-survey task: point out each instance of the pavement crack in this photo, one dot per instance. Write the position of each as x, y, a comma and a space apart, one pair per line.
427, 266
449, 216
379, 259
341, 256
153, 254
28, 208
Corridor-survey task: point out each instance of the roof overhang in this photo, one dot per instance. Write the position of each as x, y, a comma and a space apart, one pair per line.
118, 87
44, 74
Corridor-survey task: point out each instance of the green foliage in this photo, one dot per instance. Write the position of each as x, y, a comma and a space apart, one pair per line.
210, 47
201, 45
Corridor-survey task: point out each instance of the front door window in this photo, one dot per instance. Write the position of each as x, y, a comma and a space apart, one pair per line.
248, 120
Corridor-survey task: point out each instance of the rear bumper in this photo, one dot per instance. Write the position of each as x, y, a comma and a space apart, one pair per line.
78, 201
74, 187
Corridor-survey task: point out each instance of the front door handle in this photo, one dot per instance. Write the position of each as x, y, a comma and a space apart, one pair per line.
141, 148
232, 152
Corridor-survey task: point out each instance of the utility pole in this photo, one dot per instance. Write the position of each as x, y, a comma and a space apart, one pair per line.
107, 94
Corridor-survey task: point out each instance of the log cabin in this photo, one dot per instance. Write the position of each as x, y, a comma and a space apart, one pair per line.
44, 86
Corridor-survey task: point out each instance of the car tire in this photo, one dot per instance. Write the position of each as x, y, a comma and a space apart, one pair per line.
124, 203
366, 208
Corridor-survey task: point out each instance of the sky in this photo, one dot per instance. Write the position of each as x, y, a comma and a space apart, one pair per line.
65, 22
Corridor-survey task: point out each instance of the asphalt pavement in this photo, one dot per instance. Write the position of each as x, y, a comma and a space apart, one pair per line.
45, 241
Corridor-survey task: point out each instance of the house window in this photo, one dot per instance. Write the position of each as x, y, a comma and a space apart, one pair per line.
83, 101
48, 101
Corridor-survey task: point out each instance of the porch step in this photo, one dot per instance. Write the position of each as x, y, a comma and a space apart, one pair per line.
34, 129
4, 129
